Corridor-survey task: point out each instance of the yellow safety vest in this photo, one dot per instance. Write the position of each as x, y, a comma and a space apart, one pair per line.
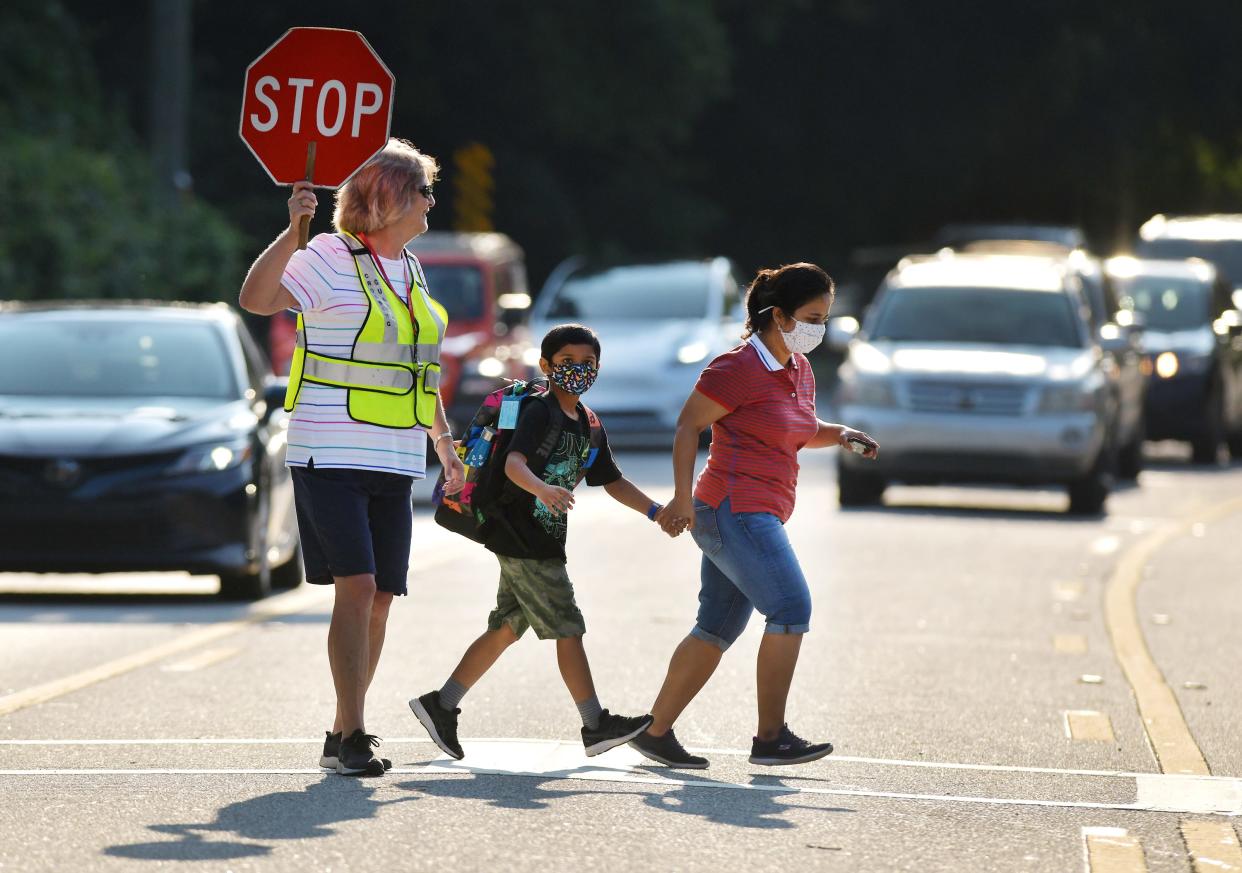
392, 375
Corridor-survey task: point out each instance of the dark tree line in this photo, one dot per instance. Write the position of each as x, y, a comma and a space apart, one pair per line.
770, 132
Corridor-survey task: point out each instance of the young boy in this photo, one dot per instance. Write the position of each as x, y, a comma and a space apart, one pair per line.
535, 590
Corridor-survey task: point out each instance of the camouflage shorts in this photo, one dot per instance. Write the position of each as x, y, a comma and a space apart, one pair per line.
536, 593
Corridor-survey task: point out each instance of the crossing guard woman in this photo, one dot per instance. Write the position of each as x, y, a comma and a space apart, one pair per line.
363, 390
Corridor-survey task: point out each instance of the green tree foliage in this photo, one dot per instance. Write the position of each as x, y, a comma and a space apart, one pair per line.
770, 132
80, 219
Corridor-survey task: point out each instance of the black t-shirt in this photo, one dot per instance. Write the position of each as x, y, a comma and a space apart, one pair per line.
528, 528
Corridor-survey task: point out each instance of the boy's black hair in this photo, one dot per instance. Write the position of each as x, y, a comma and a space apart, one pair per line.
568, 335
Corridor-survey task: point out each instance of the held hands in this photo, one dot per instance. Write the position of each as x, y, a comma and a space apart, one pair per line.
559, 500
853, 439
676, 517
302, 202
454, 469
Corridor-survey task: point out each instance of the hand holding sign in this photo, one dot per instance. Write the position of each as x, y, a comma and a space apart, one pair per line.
316, 106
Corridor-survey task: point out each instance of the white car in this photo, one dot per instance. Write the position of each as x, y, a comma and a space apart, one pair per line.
978, 368
658, 323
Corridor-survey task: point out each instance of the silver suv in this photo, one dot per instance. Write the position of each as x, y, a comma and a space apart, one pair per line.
978, 368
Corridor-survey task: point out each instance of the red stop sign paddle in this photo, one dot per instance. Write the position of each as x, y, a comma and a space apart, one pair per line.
317, 105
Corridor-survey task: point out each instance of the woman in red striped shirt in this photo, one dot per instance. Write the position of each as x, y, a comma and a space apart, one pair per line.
759, 400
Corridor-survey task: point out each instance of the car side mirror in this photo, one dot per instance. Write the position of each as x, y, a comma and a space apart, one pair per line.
841, 331
274, 395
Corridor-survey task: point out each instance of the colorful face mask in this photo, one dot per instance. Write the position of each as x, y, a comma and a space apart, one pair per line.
574, 378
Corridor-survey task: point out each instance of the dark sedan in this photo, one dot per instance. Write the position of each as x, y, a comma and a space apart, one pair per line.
1193, 347
140, 437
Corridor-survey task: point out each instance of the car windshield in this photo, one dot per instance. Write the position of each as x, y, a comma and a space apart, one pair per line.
458, 288
1002, 316
662, 291
82, 357
1167, 303
1226, 254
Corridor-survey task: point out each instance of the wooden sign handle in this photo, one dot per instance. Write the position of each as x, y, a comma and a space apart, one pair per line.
304, 223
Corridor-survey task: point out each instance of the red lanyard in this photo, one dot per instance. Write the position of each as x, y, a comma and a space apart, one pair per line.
409, 300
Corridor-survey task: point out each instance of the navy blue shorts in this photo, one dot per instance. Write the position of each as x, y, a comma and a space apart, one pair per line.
354, 522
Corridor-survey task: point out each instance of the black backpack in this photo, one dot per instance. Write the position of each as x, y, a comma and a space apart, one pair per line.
481, 505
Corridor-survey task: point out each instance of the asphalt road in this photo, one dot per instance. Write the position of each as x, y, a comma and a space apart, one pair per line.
1008, 688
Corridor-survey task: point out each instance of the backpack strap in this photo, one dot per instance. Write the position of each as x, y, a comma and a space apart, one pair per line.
552, 437
597, 436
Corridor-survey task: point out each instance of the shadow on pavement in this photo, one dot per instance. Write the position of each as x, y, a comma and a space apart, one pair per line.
282, 815
502, 792
687, 795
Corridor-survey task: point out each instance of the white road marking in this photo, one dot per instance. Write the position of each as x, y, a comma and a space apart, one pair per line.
551, 759
1106, 545
701, 750
1175, 792
1067, 591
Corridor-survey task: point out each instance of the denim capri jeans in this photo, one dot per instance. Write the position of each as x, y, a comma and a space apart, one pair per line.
748, 564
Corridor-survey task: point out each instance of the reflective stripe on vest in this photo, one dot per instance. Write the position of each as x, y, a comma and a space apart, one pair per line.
392, 379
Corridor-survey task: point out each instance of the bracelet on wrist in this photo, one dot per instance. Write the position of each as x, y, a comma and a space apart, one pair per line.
436, 441
653, 510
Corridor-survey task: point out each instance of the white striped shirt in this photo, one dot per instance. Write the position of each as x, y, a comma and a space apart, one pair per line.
324, 281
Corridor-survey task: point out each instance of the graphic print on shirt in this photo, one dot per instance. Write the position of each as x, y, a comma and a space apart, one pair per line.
562, 470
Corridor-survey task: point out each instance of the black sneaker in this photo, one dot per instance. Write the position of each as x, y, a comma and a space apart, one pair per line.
332, 751
355, 757
787, 748
441, 723
613, 731
667, 750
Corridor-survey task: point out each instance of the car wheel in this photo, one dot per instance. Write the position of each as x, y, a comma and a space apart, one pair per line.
1205, 449
1130, 459
1088, 493
289, 574
256, 585
858, 489
247, 586
1235, 446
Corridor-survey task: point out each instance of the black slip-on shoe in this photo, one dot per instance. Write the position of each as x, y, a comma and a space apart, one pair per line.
786, 748
613, 731
668, 750
440, 723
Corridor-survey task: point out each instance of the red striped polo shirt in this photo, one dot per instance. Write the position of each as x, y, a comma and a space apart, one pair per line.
754, 455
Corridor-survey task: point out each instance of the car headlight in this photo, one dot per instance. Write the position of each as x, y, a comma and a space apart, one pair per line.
866, 392
1169, 364
1073, 397
490, 367
211, 458
692, 353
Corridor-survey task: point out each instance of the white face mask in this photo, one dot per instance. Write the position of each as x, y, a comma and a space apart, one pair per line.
804, 337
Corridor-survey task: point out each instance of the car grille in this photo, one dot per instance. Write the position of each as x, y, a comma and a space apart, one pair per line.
64, 472
978, 398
